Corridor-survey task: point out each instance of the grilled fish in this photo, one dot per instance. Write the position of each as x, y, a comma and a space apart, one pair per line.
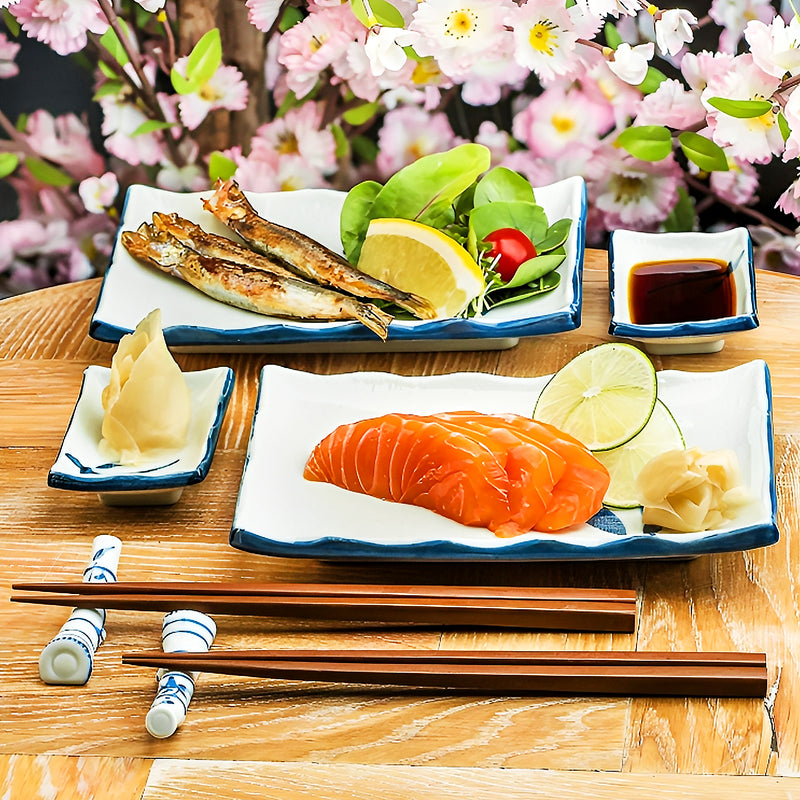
249, 288
210, 244
302, 255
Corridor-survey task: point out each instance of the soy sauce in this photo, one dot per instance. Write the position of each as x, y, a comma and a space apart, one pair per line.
687, 290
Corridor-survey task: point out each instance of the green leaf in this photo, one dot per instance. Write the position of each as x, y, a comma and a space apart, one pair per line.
22, 122
543, 285
107, 89
502, 184
361, 114
426, 189
783, 126
700, 150
682, 216
107, 71
220, 167
11, 23
342, 142
652, 80
556, 235
47, 173
150, 126
355, 217
533, 269
364, 149
526, 217
383, 13
8, 163
646, 142
613, 37
111, 42
741, 109
205, 58
291, 16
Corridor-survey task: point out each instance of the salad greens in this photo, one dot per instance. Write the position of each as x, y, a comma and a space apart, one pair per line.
459, 194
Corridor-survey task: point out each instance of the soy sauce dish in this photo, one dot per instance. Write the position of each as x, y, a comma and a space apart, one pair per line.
681, 292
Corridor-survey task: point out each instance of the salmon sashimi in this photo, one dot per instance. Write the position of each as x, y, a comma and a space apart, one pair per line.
504, 472
533, 470
415, 460
579, 493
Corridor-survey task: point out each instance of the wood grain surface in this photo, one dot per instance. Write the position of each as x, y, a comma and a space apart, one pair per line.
246, 738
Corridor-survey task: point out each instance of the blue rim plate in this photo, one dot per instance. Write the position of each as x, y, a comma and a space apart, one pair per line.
80, 466
279, 513
193, 321
627, 248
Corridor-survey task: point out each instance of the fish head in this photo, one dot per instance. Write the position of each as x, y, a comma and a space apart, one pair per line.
228, 201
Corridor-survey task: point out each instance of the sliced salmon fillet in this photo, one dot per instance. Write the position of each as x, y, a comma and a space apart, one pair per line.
505, 472
580, 490
422, 462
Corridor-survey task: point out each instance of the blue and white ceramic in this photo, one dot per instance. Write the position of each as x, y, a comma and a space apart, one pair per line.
81, 467
279, 513
68, 658
193, 321
628, 248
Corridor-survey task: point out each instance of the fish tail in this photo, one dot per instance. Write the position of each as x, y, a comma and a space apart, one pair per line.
374, 318
417, 305
137, 244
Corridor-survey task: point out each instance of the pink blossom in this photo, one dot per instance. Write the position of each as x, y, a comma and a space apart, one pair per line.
671, 105
755, 139
673, 29
733, 15
298, 132
738, 185
637, 194
263, 13
701, 68
384, 48
120, 121
277, 173
8, 52
35, 254
775, 48
312, 46
64, 140
554, 121
775, 251
791, 112
226, 88
629, 64
61, 24
99, 193
409, 133
789, 201
498, 141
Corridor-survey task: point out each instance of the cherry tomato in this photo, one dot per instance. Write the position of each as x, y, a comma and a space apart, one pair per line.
513, 248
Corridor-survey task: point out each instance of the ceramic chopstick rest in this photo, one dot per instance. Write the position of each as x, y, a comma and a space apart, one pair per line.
183, 631
68, 657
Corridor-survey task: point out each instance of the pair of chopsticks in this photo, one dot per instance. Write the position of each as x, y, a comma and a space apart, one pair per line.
574, 609
568, 672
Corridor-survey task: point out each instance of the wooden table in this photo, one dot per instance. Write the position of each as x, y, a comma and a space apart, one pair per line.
247, 738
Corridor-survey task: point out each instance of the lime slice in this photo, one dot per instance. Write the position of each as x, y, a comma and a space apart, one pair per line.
420, 259
603, 397
624, 463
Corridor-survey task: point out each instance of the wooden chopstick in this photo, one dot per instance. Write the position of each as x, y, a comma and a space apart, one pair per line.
560, 672
253, 588
575, 615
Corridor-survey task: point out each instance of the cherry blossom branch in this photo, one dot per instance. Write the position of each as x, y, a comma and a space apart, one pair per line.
751, 212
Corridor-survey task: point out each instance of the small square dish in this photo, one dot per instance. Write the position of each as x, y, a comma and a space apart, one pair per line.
681, 292
280, 513
80, 466
194, 321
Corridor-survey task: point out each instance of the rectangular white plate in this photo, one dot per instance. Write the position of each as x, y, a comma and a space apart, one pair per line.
279, 513
193, 321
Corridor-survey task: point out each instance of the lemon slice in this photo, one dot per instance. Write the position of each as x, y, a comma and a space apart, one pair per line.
603, 397
417, 258
624, 463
